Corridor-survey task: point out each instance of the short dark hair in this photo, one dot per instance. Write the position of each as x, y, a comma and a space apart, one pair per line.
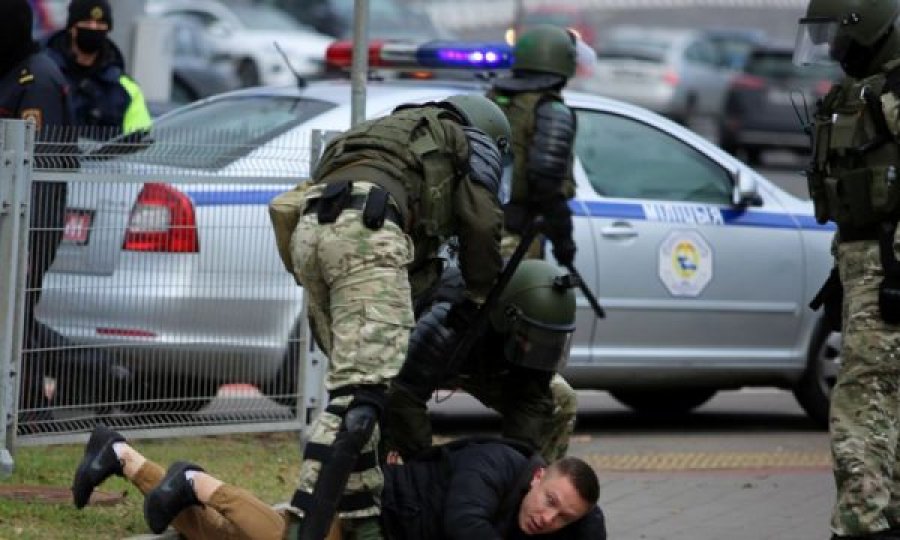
582, 476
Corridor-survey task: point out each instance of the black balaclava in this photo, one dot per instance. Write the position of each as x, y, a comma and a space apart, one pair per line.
856, 59
15, 33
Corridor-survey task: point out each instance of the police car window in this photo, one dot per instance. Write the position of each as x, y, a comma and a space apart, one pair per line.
231, 129
624, 158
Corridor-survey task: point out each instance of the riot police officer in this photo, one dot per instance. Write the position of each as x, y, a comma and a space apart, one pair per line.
509, 367
853, 182
33, 89
544, 59
384, 196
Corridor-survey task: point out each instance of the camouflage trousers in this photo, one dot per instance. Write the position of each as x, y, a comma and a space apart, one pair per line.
543, 421
865, 402
360, 307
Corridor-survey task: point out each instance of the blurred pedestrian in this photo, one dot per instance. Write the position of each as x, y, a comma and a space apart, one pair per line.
104, 97
32, 88
384, 197
853, 182
543, 127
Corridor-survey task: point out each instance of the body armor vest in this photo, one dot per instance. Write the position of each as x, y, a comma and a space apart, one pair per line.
409, 154
853, 180
519, 109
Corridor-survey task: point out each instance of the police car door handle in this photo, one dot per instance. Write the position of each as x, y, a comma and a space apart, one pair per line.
619, 229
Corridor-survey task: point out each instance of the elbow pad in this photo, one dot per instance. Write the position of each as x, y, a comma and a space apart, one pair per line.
485, 161
551, 148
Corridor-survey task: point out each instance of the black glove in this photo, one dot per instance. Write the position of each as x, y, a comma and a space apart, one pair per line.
431, 347
558, 228
889, 299
462, 316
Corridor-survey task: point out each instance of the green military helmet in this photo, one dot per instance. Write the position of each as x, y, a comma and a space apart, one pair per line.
863, 21
547, 49
536, 313
482, 113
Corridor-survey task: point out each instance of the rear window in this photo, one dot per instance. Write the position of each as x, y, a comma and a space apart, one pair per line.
214, 134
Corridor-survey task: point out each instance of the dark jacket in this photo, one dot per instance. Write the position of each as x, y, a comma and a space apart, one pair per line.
102, 94
34, 88
470, 490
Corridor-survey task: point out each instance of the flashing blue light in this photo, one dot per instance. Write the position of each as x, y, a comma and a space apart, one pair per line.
451, 54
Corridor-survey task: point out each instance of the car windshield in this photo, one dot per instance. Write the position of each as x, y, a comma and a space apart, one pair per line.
230, 129
261, 17
779, 65
639, 48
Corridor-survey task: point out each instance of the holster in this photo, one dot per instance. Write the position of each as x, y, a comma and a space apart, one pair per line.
334, 199
375, 209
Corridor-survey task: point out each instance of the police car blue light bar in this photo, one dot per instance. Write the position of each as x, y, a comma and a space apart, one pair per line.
430, 55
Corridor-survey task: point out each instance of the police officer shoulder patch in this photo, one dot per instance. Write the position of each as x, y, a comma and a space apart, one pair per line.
35, 115
25, 77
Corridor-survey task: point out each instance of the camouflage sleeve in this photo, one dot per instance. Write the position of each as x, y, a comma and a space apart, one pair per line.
890, 104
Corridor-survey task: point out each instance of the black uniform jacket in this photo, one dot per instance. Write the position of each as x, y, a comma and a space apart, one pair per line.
34, 88
473, 492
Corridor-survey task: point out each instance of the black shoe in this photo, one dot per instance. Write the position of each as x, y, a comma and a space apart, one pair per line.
99, 463
173, 494
891, 534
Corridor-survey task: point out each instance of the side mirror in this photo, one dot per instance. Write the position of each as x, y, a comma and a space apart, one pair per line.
745, 192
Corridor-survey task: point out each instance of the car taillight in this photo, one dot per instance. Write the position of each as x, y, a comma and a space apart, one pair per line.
162, 220
670, 78
748, 82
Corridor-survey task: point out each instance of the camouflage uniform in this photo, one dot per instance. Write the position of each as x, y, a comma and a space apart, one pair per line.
865, 402
356, 278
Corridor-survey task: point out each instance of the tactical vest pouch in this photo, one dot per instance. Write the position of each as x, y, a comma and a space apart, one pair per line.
334, 199
285, 211
375, 208
862, 198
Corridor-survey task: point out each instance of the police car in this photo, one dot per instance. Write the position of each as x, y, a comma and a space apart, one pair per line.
703, 266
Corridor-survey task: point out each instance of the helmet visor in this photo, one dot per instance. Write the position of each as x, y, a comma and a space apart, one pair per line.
539, 346
815, 40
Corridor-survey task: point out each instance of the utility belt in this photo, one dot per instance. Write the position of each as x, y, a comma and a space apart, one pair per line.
376, 205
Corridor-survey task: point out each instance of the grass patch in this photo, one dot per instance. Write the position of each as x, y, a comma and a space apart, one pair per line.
265, 464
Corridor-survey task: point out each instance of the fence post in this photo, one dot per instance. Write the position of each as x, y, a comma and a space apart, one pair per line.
16, 150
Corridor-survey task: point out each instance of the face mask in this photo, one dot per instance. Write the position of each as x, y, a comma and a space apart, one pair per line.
89, 40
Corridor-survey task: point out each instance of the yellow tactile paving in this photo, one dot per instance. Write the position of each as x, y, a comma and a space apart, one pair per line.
691, 461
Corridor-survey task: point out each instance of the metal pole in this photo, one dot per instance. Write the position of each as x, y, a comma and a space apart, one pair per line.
16, 145
359, 69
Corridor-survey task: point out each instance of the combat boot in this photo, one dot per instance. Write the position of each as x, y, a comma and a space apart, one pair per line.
99, 463
173, 494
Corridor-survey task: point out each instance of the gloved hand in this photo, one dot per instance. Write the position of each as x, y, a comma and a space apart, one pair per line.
558, 228
462, 316
431, 346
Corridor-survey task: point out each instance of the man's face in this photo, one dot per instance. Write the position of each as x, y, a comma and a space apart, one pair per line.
551, 503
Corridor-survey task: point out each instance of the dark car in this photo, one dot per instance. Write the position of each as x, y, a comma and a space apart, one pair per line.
769, 101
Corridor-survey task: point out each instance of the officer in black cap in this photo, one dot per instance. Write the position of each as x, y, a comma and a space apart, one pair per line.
103, 95
32, 88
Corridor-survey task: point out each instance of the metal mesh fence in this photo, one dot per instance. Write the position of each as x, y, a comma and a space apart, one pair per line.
155, 300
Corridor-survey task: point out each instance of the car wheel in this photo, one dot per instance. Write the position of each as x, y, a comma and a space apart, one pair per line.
664, 401
248, 73
813, 391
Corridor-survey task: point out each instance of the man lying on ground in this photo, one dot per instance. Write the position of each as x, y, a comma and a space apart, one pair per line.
467, 489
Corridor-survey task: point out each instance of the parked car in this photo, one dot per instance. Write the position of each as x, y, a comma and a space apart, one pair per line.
198, 71
735, 44
678, 73
703, 266
769, 103
388, 19
248, 33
